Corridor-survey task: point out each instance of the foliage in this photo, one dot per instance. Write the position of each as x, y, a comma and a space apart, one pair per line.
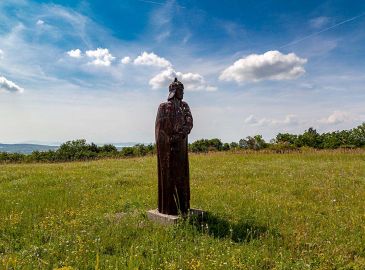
254, 143
233, 145
225, 147
282, 147
78, 150
352, 138
286, 138
138, 150
205, 145
283, 142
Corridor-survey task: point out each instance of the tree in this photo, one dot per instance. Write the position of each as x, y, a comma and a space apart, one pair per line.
225, 147
309, 138
205, 145
254, 143
76, 150
286, 138
215, 144
233, 145
108, 148
358, 135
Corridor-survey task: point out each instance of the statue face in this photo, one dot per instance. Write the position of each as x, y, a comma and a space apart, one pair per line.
179, 94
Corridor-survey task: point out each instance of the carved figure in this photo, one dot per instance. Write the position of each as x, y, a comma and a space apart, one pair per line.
173, 124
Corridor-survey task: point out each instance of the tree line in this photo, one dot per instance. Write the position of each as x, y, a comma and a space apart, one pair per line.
79, 150
353, 138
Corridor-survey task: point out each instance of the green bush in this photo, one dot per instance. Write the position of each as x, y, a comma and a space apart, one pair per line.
233, 145
282, 147
205, 145
253, 143
331, 140
283, 142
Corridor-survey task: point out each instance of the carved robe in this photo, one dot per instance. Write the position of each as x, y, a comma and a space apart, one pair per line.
173, 124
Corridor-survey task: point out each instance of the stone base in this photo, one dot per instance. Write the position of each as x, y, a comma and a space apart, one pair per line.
164, 219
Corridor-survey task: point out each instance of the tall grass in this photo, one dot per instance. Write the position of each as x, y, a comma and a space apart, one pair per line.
264, 211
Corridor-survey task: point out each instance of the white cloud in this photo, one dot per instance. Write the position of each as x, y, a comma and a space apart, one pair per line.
191, 81
126, 60
75, 53
272, 65
39, 22
151, 59
163, 78
319, 22
194, 81
289, 119
250, 119
336, 117
253, 121
1, 54
9, 86
102, 57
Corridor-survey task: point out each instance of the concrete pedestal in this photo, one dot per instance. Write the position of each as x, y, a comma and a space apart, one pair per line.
164, 219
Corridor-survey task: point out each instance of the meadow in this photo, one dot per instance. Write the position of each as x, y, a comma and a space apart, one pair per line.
298, 210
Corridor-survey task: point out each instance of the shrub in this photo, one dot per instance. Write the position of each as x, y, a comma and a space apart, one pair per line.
254, 143
108, 148
233, 145
205, 145
282, 147
80, 150
225, 147
127, 152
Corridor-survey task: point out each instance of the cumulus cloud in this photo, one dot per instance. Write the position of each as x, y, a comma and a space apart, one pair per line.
151, 59
102, 57
252, 120
75, 53
336, 117
163, 78
272, 65
126, 60
191, 81
39, 22
289, 119
195, 81
9, 86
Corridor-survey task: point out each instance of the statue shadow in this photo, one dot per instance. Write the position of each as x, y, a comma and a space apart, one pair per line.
245, 230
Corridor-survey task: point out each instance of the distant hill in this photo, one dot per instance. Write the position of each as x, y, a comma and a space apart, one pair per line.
28, 148
25, 148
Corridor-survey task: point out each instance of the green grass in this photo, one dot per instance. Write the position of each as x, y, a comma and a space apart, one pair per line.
266, 211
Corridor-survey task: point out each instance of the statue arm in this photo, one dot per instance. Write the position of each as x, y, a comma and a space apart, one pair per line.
188, 119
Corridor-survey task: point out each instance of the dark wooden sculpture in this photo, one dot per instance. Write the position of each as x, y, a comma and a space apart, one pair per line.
173, 124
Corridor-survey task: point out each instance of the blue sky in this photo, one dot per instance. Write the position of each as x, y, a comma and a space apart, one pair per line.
99, 69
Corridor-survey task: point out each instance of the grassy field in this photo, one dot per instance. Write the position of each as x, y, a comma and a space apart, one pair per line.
265, 211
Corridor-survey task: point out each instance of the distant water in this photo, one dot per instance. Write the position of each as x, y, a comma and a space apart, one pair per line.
28, 148
25, 148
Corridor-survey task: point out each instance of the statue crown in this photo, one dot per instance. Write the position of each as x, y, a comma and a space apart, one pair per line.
175, 84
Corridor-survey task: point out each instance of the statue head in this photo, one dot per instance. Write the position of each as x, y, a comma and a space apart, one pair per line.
176, 90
